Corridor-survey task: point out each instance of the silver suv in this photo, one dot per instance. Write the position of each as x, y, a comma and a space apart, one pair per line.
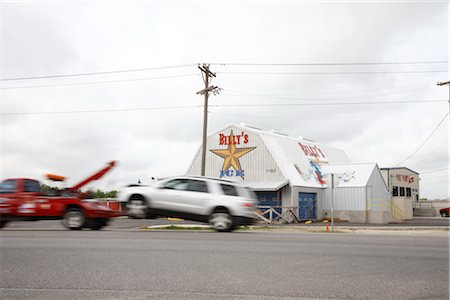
224, 204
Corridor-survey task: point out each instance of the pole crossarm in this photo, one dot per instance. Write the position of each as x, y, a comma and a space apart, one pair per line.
443, 83
208, 90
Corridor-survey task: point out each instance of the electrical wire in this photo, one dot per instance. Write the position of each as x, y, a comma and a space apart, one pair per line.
156, 108
322, 116
97, 73
331, 64
334, 73
404, 88
430, 154
97, 82
318, 99
424, 142
325, 104
434, 171
227, 64
216, 105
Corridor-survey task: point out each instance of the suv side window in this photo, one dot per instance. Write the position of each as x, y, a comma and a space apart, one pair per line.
198, 186
229, 190
177, 184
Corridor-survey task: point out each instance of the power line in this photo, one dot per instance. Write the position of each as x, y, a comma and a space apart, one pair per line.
403, 88
156, 108
228, 64
96, 82
331, 64
434, 171
215, 105
322, 116
98, 73
243, 94
326, 104
424, 142
431, 153
334, 73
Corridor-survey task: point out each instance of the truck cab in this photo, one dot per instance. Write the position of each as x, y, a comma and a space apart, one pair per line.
19, 187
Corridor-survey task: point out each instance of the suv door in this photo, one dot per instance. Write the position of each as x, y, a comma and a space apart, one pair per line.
183, 195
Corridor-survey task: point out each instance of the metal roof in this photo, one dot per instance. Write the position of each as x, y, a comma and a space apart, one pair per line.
292, 160
400, 168
267, 186
351, 174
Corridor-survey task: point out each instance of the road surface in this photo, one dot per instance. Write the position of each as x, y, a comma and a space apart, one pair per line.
119, 263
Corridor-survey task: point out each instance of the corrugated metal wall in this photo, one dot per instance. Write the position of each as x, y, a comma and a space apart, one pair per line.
258, 165
348, 198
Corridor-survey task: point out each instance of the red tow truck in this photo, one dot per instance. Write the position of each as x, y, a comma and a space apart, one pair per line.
22, 199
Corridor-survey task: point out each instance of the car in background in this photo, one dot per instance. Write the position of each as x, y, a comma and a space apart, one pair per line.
445, 212
223, 204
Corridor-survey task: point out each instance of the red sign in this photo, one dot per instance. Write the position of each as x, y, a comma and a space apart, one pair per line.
312, 151
405, 178
233, 139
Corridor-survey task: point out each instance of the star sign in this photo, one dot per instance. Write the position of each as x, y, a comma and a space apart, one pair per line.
231, 155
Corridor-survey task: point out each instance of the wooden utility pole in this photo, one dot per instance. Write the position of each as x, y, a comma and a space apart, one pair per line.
206, 74
446, 83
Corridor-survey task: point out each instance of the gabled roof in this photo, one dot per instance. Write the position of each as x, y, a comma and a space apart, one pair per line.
293, 155
400, 168
350, 174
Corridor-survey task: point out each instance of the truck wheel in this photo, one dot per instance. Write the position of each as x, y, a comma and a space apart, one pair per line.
96, 224
3, 223
137, 207
74, 219
221, 221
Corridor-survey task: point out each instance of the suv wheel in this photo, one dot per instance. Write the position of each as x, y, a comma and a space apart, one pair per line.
73, 219
221, 221
136, 207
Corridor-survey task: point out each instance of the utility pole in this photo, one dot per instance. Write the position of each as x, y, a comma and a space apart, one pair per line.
446, 83
206, 74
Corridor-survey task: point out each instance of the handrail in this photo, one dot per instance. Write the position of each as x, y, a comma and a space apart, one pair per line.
288, 214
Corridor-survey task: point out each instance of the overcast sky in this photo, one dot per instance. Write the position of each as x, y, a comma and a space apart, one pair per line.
74, 125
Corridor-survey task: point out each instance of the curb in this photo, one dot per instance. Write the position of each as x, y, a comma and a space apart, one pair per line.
317, 229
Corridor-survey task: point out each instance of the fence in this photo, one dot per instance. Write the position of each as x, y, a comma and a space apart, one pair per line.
424, 205
283, 214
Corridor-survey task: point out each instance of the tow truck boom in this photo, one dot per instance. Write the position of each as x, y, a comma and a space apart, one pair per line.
96, 176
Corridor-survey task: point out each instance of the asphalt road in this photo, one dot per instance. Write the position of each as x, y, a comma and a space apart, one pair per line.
122, 223
119, 263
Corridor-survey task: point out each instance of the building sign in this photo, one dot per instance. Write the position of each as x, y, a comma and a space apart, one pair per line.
405, 178
232, 154
313, 152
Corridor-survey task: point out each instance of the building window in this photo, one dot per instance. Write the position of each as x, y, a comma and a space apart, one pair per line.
395, 191
408, 192
402, 192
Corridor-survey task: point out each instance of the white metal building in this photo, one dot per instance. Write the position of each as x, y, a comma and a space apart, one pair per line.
296, 173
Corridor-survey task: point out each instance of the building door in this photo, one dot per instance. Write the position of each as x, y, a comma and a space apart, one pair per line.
307, 206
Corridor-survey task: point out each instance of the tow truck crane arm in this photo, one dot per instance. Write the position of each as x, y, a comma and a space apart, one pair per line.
93, 177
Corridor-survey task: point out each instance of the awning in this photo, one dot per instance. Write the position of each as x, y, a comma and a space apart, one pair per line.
266, 185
